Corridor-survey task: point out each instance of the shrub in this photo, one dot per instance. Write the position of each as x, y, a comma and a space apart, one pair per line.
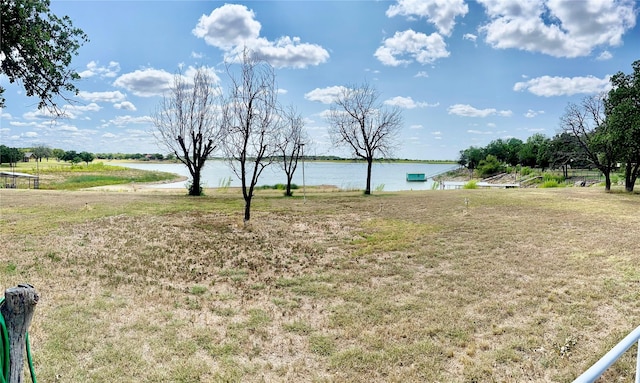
552, 177
471, 185
490, 166
550, 184
525, 171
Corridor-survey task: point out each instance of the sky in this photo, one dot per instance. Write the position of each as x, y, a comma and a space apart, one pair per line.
465, 73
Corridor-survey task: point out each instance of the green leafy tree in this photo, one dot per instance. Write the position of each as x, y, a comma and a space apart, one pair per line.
490, 166
622, 108
70, 155
471, 157
37, 48
587, 124
58, 154
86, 157
534, 152
41, 151
10, 155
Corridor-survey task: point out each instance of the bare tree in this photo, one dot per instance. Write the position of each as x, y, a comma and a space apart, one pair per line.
251, 122
586, 122
359, 121
292, 139
188, 122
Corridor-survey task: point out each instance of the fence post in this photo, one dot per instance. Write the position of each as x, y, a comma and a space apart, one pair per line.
17, 311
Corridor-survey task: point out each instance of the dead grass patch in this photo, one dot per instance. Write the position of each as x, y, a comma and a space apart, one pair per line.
456, 286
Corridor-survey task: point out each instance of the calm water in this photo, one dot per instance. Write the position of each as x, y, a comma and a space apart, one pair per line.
343, 175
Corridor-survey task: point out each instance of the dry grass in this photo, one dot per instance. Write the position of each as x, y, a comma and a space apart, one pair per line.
437, 286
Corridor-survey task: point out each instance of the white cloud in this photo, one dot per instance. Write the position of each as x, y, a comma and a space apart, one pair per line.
441, 13
560, 28
196, 55
71, 111
231, 27
30, 134
408, 103
228, 26
125, 105
532, 113
470, 111
324, 95
472, 131
109, 135
548, 86
146, 82
22, 124
94, 69
606, 55
115, 96
123, 121
422, 74
470, 37
417, 126
422, 48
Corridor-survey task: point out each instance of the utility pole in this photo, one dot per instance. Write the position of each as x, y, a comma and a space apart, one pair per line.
304, 189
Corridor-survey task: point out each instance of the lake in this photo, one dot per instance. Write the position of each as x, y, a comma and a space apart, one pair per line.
344, 175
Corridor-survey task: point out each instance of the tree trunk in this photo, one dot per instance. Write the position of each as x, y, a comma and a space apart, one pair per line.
630, 176
607, 181
195, 190
247, 209
367, 190
17, 311
288, 192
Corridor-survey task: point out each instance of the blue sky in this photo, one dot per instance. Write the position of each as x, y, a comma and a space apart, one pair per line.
464, 72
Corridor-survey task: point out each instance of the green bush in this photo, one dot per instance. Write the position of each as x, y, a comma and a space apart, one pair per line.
550, 184
490, 166
552, 177
471, 185
525, 171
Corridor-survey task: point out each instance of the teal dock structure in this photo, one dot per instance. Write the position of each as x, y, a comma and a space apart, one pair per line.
416, 177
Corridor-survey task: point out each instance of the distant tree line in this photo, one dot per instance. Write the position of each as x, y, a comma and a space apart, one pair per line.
601, 132
10, 155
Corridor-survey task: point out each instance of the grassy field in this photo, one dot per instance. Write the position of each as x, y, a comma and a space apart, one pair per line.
56, 175
479, 285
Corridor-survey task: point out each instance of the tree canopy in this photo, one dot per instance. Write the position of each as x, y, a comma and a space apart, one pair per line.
622, 108
36, 50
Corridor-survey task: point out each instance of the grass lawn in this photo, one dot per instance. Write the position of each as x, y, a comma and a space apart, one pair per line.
56, 175
528, 285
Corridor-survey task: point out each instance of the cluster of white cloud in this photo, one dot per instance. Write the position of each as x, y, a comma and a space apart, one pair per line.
441, 13
422, 48
408, 46
548, 86
324, 95
232, 27
94, 69
560, 28
150, 82
408, 103
469, 111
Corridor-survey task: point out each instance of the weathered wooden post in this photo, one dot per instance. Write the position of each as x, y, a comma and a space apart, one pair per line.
17, 311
